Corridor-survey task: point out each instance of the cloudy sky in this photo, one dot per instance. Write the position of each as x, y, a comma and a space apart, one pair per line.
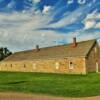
26, 23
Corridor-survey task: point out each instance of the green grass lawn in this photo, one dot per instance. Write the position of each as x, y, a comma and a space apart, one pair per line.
51, 84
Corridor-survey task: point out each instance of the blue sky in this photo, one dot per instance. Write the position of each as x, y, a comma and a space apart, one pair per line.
26, 23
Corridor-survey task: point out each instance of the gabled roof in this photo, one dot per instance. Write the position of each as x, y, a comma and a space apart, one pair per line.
62, 51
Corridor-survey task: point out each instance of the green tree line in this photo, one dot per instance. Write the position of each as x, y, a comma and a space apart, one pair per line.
4, 52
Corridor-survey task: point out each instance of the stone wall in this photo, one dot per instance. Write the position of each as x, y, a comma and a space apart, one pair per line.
64, 65
93, 59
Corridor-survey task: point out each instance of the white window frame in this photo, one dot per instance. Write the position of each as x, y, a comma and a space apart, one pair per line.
34, 66
97, 67
57, 65
95, 49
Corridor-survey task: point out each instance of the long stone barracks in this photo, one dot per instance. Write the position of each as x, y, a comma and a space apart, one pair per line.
74, 58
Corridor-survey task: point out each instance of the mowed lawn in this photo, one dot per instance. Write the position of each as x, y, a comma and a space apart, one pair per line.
51, 84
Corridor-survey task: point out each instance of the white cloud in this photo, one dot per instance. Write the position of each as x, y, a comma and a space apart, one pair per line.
87, 36
93, 15
97, 15
46, 9
81, 1
70, 1
11, 4
98, 41
89, 24
18, 31
97, 25
67, 20
72, 16
36, 1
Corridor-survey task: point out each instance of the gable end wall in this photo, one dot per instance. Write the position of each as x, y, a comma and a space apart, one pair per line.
92, 58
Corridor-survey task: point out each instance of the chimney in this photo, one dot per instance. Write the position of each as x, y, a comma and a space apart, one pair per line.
37, 48
74, 44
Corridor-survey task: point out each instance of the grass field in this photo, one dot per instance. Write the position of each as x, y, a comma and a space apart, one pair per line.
51, 84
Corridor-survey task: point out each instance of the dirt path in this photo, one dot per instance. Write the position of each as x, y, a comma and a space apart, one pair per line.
21, 96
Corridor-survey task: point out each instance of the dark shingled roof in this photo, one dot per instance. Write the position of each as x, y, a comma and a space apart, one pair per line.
62, 51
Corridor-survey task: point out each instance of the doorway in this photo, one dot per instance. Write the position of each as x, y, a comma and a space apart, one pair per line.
97, 67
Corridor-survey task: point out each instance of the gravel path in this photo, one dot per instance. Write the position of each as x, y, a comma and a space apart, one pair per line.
21, 96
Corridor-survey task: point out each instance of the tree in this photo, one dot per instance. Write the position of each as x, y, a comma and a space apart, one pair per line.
4, 52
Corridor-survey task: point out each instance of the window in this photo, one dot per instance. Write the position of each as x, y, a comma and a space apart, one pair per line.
11, 65
34, 66
97, 67
24, 66
71, 65
57, 65
5, 65
95, 49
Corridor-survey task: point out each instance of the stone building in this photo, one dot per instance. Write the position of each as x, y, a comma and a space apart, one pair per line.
75, 58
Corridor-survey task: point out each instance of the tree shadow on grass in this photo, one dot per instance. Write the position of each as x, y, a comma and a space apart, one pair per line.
17, 82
